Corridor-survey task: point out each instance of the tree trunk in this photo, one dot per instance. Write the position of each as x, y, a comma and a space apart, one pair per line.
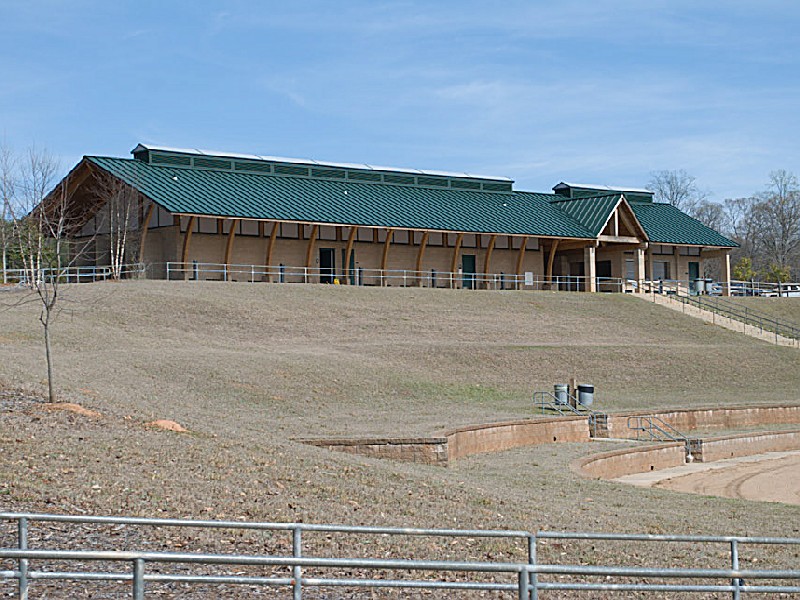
51, 390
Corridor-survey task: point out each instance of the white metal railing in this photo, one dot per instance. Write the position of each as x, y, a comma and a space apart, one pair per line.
73, 274
524, 577
430, 278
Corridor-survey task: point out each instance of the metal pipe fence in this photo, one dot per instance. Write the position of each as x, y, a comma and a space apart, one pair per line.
73, 274
430, 278
523, 579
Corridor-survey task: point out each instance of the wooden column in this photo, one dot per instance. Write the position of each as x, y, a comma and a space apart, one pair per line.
229, 246
590, 268
454, 261
550, 259
487, 259
725, 261
312, 240
521, 257
270, 249
145, 224
187, 241
420, 255
385, 257
348, 252
639, 253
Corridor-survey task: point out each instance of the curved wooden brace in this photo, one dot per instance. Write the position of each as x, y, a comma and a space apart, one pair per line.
229, 245
187, 241
521, 255
420, 255
145, 225
487, 259
551, 259
312, 240
454, 261
385, 257
270, 249
348, 252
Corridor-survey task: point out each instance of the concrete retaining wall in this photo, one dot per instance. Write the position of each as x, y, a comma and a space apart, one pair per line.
504, 436
690, 419
427, 451
497, 437
748, 444
610, 465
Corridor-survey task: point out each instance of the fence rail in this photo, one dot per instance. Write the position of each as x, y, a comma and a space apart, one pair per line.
743, 314
386, 277
74, 274
524, 578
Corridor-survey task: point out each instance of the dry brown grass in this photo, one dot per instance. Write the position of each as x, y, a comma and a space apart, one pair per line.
782, 309
245, 368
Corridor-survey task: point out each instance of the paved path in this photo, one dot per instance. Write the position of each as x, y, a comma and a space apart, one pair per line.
770, 477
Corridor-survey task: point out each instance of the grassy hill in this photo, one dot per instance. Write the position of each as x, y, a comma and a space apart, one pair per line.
246, 368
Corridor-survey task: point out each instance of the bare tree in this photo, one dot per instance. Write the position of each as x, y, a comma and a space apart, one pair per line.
777, 217
8, 192
710, 214
42, 224
119, 217
677, 188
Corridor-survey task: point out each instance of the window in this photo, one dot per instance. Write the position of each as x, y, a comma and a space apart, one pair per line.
689, 251
249, 228
660, 249
660, 269
289, 230
630, 269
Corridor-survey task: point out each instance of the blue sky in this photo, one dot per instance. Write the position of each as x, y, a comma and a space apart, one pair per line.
588, 91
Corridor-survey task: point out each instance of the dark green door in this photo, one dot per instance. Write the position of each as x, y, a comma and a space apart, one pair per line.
468, 271
327, 265
694, 273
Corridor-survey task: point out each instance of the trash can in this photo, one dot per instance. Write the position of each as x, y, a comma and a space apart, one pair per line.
561, 392
585, 394
699, 285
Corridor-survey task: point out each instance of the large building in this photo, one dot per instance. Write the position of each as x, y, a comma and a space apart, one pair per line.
214, 215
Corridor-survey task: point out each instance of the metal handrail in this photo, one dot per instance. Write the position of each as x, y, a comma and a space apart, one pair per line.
386, 277
71, 274
527, 584
657, 425
744, 315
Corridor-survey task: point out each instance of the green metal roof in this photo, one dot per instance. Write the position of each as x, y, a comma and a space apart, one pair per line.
285, 198
592, 212
252, 195
665, 224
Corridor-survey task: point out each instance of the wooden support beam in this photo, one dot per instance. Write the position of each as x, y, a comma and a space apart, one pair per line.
487, 259
187, 241
229, 245
270, 249
550, 259
521, 256
145, 224
420, 255
348, 252
565, 245
385, 257
454, 261
619, 239
312, 240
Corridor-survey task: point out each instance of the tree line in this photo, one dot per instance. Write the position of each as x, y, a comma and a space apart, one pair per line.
766, 225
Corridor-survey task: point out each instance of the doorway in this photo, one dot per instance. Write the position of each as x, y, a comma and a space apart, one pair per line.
468, 271
327, 265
